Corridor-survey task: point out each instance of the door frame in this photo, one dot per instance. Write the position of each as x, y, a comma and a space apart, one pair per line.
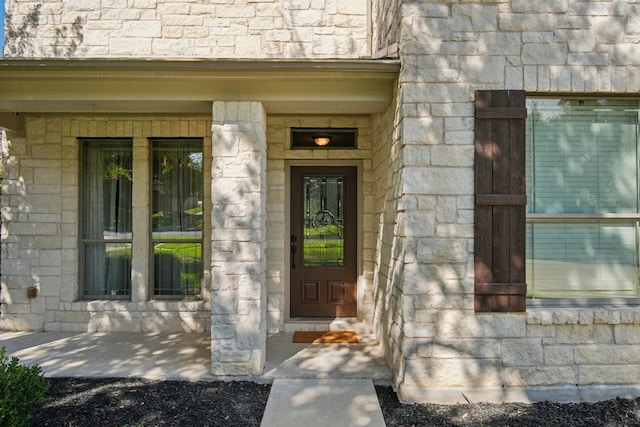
287, 227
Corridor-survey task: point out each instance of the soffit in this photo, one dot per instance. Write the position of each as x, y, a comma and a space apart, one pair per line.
189, 86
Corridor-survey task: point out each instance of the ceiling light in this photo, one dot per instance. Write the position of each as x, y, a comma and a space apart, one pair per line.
321, 140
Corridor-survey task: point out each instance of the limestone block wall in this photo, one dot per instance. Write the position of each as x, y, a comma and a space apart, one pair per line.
449, 50
192, 28
587, 347
546, 354
280, 157
40, 229
389, 245
238, 238
386, 16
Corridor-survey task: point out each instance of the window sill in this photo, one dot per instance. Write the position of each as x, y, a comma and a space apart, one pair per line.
583, 302
177, 298
177, 305
577, 312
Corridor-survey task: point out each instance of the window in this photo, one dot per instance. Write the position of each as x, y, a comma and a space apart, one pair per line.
177, 216
324, 138
106, 218
583, 214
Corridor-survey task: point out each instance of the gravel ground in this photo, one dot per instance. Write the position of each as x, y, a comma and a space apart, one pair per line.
95, 402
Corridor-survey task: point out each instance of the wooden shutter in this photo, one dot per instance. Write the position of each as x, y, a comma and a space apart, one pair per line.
500, 201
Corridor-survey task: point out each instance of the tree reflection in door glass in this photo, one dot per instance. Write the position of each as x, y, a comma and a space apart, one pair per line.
323, 221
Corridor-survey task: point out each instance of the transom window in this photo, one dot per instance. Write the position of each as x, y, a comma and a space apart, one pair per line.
583, 214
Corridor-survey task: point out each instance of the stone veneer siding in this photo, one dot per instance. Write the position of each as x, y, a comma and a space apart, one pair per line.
388, 256
174, 28
239, 236
40, 229
386, 28
420, 181
436, 345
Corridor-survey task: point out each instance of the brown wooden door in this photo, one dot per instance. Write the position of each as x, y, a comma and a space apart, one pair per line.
323, 264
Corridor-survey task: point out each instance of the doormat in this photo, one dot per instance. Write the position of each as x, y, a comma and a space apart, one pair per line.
325, 337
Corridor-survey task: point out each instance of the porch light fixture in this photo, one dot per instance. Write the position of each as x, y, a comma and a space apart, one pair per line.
322, 140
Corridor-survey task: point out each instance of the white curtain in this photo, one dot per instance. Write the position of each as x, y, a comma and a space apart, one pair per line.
177, 216
107, 218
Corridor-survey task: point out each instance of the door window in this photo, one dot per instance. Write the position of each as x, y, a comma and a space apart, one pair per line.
323, 221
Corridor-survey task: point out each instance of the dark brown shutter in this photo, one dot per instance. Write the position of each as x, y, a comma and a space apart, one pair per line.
500, 201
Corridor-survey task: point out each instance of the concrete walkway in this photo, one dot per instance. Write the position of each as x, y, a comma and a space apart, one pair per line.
312, 384
324, 384
322, 402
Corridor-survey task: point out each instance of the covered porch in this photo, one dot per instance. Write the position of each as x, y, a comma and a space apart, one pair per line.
244, 111
187, 357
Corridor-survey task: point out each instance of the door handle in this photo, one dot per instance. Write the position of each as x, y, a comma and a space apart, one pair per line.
294, 249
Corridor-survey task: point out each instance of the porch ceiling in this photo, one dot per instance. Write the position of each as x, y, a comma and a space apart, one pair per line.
189, 86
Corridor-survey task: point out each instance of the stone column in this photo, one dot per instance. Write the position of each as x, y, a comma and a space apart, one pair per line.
238, 238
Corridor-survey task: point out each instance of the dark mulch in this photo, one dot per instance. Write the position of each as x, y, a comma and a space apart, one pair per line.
616, 412
95, 402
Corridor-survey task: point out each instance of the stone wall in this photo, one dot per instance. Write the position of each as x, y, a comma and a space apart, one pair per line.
238, 238
280, 156
450, 49
40, 229
568, 354
388, 256
386, 16
174, 28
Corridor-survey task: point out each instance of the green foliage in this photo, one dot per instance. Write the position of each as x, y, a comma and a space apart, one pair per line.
179, 250
115, 171
322, 231
179, 263
21, 387
323, 252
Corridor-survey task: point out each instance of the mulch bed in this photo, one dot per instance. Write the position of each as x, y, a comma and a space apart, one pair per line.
98, 402
616, 412
93, 402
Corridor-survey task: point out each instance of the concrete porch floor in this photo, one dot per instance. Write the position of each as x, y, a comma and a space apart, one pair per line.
309, 381
187, 356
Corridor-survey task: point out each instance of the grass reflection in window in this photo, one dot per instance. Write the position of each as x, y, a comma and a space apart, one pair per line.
323, 246
178, 268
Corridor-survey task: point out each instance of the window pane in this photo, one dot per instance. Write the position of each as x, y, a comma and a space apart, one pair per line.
106, 216
177, 216
177, 189
107, 269
323, 221
582, 260
178, 268
582, 156
107, 189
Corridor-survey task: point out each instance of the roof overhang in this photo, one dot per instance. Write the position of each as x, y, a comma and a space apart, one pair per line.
189, 86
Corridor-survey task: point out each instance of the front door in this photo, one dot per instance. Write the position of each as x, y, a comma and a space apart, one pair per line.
323, 263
